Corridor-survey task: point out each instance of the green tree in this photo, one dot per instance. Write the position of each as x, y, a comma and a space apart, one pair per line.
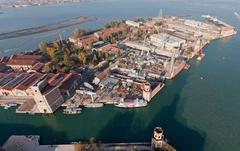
47, 68
52, 53
42, 46
118, 53
106, 56
56, 44
65, 69
95, 60
82, 58
78, 32
66, 60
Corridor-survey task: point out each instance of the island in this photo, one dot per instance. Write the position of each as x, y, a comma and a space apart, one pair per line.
31, 3
126, 63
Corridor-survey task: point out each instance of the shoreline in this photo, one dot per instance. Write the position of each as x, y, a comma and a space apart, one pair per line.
46, 28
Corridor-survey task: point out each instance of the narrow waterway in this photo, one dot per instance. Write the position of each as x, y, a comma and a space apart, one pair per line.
199, 110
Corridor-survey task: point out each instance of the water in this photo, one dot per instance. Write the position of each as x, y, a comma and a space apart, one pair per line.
197, 114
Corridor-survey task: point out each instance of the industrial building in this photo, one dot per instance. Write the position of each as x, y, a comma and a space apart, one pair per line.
169, 42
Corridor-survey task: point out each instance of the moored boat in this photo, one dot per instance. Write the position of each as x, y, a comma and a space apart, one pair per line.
73, 110
200, 57
129, 103
94, 105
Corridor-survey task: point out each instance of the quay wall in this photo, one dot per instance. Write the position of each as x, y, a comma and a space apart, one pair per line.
157, 89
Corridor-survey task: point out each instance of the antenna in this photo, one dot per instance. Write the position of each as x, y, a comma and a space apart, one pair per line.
160, 13
237, 15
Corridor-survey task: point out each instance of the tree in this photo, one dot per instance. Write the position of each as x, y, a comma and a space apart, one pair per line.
47, 67
78, 32
65, 69
52, 53
118, 53
106, 56
95, 60
42, 46
82, 58
66, 60
56, 44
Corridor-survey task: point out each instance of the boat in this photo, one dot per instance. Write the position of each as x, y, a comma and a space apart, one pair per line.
5, 106
187, 66
94, 105
200, 57
12, 104
129, 103
72, 110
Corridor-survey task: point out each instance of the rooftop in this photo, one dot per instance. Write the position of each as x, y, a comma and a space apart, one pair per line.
14, 82
30, 81
24, 59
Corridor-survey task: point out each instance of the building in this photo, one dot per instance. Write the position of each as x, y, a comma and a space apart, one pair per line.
24, 62
167, 41
109, 48
23, 89
83, 41
47, 91
147, 92
5, 69
100, 77
47, 96
7, 89
36, 68
69, 84
106, 33
133, 23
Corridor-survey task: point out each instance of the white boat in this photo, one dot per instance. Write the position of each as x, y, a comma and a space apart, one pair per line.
94, 105
129, 103
6, 107
72, 110
200, 57
12, 104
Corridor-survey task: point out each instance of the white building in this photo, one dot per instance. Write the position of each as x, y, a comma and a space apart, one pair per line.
132, 23
166, 41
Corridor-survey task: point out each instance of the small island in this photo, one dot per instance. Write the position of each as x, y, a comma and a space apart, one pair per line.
126, 63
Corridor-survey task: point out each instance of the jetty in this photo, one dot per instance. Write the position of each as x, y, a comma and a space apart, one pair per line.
31, 142
46, 28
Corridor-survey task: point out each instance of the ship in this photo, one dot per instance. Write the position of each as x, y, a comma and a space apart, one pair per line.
129, 103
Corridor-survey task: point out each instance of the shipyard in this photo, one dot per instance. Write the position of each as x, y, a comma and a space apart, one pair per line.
125, 64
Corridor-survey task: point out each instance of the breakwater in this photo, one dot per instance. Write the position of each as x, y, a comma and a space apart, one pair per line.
46, 28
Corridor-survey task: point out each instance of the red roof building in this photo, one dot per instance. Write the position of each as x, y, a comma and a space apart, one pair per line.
24, 62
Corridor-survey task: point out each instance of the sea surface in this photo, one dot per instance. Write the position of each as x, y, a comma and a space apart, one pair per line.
199, 110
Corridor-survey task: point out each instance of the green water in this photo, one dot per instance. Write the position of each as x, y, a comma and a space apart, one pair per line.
196, 113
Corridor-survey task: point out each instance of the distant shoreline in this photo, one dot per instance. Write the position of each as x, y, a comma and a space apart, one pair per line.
46, 28
34, 3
